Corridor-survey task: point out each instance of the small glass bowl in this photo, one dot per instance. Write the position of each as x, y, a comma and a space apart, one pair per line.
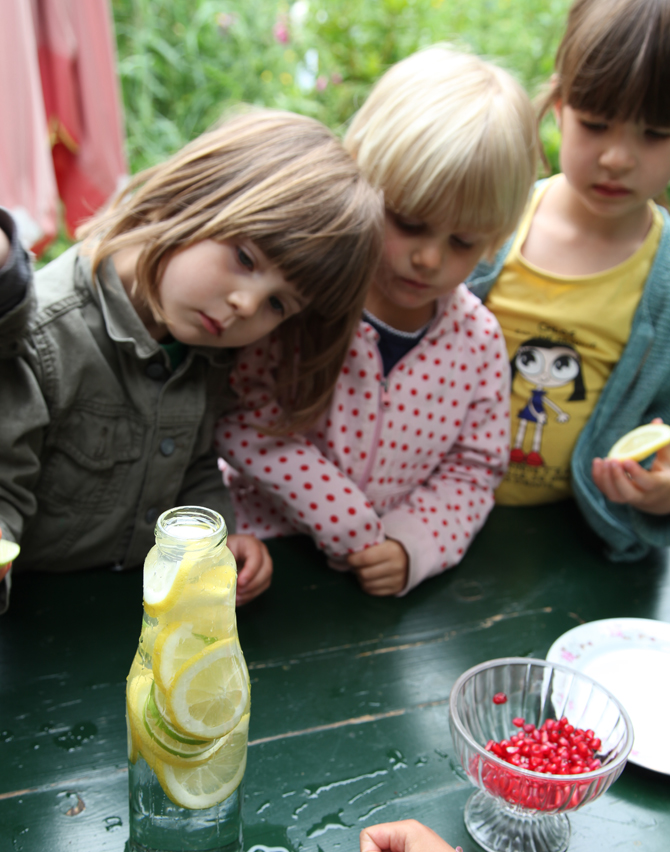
516, 809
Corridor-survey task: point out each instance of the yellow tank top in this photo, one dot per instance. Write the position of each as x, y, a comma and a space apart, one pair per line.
564, 336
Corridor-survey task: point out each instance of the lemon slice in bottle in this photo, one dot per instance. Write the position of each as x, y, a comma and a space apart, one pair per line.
170, 745
163, 583
199, 787
176, 645
210, 692
9, 550
641, 442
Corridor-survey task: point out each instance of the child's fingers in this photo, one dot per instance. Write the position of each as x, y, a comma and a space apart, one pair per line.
404, 836
382, 579
370, 556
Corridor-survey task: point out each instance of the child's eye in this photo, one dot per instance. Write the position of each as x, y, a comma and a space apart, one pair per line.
245, 259
655, 133
460, 242
594, 126
410, 226
277, 305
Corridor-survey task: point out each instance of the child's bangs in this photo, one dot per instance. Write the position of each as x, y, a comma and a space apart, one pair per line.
477, 185
619, 68
330, 248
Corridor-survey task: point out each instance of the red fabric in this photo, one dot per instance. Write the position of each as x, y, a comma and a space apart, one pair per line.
59, 55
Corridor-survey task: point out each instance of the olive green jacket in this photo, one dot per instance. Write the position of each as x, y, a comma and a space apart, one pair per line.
98, 435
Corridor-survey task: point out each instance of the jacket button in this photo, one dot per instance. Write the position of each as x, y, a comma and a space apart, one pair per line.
151, 515
167, 446
156, 371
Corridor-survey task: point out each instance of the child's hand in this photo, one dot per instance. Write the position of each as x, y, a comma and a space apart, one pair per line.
628, 482
381, 569
406, 836
254, 566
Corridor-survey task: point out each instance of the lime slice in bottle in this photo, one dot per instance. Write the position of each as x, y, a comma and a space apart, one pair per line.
9, 550
641, 442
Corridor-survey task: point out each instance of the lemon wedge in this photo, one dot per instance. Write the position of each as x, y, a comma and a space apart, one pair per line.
199, 787
641, 442
210, 692
9, 550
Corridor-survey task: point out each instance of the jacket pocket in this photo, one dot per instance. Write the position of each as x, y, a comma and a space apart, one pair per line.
91, 456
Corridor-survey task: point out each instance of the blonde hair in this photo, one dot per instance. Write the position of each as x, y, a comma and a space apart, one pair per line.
284, 182
449, 138
614, 61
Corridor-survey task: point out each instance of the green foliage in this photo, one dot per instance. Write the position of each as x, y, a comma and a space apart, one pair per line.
182, 63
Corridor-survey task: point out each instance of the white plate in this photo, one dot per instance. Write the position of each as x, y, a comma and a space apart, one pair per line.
631, 658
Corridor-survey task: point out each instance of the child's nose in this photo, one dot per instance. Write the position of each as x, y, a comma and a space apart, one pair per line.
245, 302
618, 156
428, 255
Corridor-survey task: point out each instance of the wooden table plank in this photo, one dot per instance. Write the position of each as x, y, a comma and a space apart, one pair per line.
349, 693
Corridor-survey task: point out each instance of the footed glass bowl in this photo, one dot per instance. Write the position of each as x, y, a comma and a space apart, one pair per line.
516, 809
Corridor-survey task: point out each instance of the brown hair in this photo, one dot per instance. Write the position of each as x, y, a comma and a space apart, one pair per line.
614, 61
284, 182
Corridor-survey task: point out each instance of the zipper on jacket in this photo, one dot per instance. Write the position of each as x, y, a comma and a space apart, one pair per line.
384, 402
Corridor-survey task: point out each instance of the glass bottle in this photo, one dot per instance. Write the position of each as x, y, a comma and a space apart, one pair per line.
187, 698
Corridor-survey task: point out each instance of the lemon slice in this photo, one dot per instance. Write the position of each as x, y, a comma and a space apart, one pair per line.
210, 692
641, 442
164, 582
9, 550
199, 787
137, 693
176, 645
171, 746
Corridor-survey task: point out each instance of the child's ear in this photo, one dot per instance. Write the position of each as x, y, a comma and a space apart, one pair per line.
558, 103
558, 112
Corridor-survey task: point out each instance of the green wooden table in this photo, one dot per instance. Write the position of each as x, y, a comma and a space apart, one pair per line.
349, 693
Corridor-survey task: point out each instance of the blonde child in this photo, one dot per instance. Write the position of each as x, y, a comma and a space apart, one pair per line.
581, 290
110, 385
394, 481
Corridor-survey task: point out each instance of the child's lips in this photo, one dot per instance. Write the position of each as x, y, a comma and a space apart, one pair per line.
611, 190
210, 325
416, 285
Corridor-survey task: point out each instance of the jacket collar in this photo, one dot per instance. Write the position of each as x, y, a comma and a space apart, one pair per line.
121, 320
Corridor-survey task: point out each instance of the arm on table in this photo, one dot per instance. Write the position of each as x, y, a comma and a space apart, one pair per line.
403, 836
435, 523
308, 490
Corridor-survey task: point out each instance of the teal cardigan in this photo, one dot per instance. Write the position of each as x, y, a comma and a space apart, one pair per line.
637, 391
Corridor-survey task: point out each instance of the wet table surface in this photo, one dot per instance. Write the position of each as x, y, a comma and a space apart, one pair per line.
349, 722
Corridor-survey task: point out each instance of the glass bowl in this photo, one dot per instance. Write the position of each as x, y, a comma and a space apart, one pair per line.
516, 809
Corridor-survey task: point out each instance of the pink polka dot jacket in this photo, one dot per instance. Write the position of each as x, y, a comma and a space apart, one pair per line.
414, 456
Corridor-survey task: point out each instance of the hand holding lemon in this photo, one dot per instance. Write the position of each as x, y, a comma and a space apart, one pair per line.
9, 550
622, 480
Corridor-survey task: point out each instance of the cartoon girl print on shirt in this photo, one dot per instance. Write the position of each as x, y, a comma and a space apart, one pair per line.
546, 364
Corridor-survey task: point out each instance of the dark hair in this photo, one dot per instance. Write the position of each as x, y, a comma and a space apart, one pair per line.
578, 389
614, 61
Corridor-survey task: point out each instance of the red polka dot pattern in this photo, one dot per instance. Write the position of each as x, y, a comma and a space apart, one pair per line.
417, 462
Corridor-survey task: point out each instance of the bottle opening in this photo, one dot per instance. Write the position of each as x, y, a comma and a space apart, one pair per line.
191, 523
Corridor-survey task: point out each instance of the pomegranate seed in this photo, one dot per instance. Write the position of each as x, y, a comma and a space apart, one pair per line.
518, 721
500, 698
